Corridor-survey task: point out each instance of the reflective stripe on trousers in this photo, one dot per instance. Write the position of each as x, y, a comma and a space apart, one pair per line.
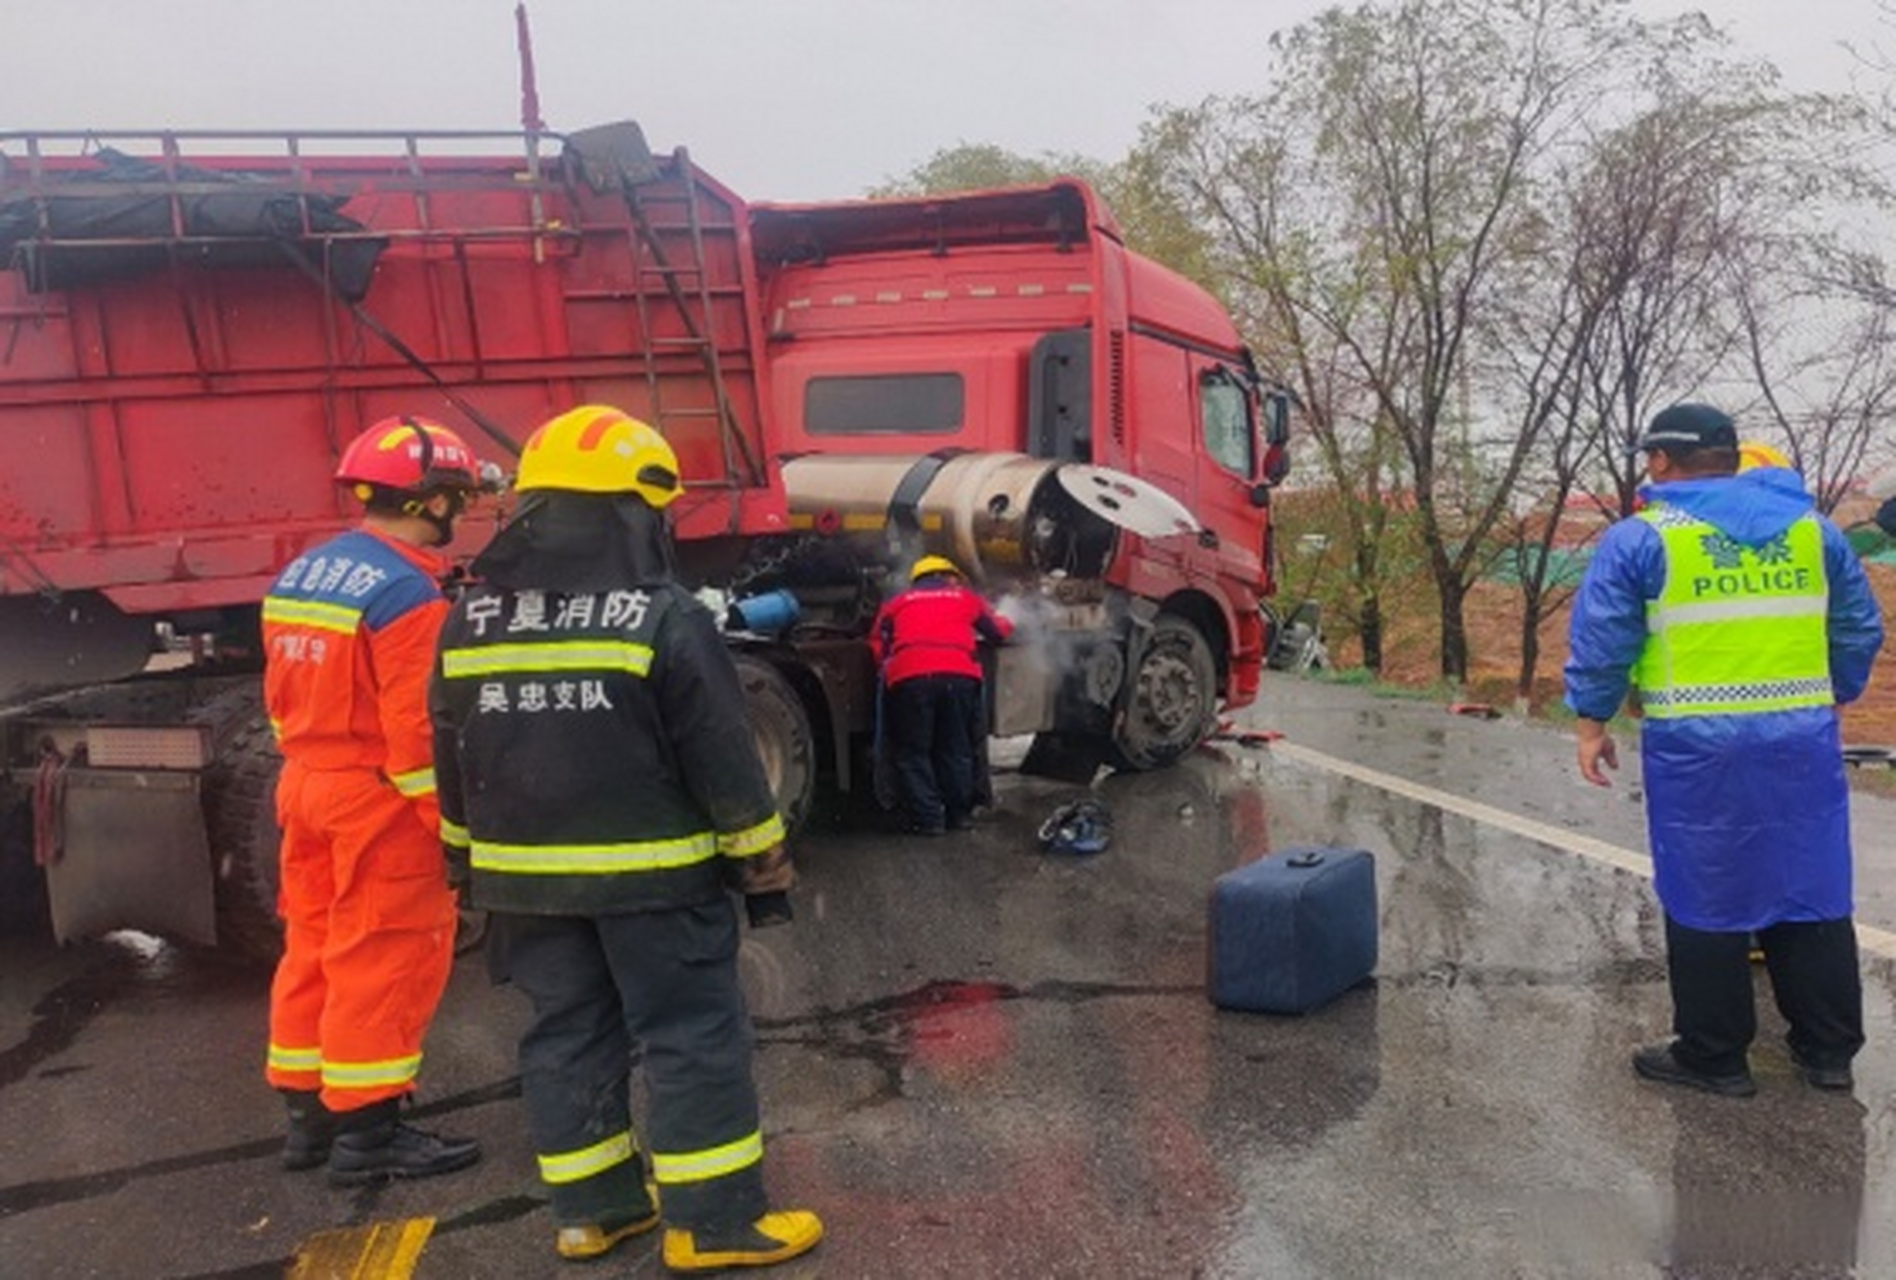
667, 980
368, 937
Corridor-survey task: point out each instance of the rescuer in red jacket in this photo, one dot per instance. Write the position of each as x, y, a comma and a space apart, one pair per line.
349, 634
932, 711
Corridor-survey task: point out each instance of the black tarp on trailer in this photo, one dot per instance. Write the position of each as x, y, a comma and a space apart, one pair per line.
67, 232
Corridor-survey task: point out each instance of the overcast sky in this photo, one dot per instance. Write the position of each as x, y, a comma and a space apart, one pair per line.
782, 99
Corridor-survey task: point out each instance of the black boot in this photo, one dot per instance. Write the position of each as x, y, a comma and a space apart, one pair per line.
312, 1128
373, 1144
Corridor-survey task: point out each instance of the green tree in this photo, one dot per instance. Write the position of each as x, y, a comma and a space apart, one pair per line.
1150, 222
971, 166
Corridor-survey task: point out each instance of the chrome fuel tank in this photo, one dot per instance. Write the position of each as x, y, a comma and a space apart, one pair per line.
1004, 518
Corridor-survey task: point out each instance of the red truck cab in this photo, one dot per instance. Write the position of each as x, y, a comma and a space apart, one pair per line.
1018, 320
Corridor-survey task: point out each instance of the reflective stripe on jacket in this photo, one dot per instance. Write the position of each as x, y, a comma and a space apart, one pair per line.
593, 751
1736, 629
349, 634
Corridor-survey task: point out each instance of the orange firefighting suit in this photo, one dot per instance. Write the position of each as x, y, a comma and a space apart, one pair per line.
349, 634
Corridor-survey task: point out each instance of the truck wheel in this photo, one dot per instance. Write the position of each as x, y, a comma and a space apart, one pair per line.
240, 815
1174, 697
23, 901
784, 738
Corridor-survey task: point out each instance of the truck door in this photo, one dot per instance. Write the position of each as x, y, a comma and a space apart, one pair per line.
1226, 470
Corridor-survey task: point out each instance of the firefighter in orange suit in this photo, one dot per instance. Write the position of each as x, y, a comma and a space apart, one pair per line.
349, 636
601, 789
925, 642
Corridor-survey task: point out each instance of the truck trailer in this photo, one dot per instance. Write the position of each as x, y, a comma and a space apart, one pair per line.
194, 325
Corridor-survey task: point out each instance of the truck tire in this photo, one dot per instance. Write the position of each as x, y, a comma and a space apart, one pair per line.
1173, 702
784, 738
23, 902
240, 817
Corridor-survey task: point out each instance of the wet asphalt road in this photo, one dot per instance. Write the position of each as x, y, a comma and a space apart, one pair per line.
980, 1061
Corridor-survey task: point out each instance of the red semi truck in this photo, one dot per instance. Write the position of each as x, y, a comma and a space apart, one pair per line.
192, 328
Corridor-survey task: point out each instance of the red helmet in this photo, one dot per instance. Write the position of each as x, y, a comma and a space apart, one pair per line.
409, 454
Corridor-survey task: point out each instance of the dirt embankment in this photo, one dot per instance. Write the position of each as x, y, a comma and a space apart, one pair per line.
1495, 638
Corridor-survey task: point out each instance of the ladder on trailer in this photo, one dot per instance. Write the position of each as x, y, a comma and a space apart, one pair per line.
688, 285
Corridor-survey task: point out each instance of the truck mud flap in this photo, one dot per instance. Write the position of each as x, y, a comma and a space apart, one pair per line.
94, 883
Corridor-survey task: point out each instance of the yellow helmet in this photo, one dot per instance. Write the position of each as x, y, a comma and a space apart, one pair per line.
1753, 454
932, 564
598, 449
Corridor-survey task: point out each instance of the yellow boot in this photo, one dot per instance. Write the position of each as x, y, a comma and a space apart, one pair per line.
775, 1237
592, 1240
588, 1240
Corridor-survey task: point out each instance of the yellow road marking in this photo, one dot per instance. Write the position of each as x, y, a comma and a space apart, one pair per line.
378, 1251
1880, 942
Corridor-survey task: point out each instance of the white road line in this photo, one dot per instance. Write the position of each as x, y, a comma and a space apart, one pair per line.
1879, 942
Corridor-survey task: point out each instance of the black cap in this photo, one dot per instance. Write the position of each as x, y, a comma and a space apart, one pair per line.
1685, 427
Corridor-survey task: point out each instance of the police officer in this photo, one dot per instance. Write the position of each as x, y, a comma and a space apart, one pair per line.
1741, 619
349, 635
600, 787
924, 640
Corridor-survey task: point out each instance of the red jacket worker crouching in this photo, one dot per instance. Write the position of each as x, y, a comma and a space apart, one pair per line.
925, 640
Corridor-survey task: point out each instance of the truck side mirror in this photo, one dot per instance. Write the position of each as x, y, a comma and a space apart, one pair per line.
1276, 407
1273, 408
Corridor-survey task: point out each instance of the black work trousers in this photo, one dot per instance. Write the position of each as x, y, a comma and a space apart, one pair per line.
665, 981
1814, 979
936, 726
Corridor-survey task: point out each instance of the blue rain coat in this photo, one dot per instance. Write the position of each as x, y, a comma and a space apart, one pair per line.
1748, 815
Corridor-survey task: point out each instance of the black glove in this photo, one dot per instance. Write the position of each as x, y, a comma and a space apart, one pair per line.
460, 875
766, 880
766, 909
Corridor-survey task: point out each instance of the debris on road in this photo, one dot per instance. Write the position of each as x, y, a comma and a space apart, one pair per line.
1079, 826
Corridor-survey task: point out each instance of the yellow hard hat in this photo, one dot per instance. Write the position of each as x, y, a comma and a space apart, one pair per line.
932, 564
1752, 454
598, 449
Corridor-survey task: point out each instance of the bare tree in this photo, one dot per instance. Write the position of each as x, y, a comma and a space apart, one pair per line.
1240, 178
1680, 223
1816, 311
1657, 224
1485, 240
1384, 201
1829, 403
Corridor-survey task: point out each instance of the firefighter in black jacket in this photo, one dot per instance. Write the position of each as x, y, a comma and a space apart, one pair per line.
600, 789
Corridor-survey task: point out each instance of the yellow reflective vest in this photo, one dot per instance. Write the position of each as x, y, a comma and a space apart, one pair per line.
1736, 629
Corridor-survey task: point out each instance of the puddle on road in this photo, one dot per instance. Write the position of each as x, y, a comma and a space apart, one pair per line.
120, 966
945, 1024
494, 1212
